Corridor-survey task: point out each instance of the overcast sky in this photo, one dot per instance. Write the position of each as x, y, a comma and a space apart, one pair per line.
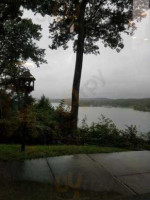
110, 74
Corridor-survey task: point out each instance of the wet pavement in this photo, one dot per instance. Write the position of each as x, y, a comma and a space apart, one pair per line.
81, 172
29, 170
130, 168
126, 173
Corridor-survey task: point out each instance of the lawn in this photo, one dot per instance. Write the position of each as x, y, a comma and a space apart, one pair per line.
12, 152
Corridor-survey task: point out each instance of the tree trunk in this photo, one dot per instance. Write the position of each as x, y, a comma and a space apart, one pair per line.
23, 142
78, 68
1, 110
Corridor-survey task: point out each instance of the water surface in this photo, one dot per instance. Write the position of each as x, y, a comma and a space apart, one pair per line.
120, 116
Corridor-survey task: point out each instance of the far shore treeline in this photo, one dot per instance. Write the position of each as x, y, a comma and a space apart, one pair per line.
136, 104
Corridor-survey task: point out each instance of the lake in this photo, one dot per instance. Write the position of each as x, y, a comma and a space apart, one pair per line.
120, 116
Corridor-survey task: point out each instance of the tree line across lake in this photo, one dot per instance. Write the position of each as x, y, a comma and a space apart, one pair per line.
137, 104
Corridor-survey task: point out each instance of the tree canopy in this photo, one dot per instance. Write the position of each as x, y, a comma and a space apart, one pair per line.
104, 20
17, 38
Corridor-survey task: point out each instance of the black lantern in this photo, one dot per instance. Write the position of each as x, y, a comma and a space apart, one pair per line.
26, 82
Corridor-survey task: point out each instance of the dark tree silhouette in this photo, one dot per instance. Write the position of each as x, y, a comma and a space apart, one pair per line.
17, 38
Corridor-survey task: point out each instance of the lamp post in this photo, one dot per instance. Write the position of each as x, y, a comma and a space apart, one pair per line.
26, 86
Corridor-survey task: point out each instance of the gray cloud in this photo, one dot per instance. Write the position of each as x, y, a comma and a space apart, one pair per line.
123, 75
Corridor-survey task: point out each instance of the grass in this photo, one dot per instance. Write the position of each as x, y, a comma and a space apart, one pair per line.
39, 191
12, 152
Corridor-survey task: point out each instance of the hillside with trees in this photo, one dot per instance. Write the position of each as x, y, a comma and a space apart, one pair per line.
136, 104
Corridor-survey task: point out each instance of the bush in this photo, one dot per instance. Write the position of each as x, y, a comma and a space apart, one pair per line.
106, 133
63, 119
7, 129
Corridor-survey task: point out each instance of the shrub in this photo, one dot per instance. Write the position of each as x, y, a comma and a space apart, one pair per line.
106, 133
8, 129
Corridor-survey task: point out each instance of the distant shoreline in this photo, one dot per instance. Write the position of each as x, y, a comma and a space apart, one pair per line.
136, 104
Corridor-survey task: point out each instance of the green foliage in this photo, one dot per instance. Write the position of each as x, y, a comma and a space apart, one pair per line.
63, 119
8, 129
5, 105
83, 133
106, 133
17, 38
27, 121
8, 119
101, 133
103, 20
46, 124
44, 103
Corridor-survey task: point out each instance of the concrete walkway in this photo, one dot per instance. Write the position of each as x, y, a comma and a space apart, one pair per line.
126, 173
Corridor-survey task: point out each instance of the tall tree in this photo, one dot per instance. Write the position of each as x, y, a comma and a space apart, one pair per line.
85, 22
